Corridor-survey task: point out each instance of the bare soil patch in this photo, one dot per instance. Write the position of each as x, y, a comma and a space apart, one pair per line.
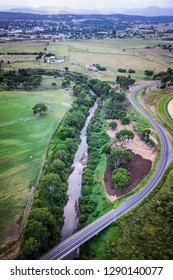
138, 167
143, 157
137, 145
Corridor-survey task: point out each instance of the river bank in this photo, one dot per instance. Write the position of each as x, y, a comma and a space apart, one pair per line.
71, 210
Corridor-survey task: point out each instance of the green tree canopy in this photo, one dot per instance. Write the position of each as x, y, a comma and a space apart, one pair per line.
106, 148
120, 178
39, 108
124, 134
149, 73
146, 134
113, 125
118, 157
31, 248
125, 120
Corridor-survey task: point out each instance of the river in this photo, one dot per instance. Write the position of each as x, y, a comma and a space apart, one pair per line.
71, 210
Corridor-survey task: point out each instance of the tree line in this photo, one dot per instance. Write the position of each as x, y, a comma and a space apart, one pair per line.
45, 221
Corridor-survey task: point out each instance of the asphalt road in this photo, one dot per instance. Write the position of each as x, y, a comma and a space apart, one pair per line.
79, 238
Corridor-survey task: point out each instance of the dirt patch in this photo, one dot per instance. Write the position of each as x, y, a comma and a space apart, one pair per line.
137, 145
138, 167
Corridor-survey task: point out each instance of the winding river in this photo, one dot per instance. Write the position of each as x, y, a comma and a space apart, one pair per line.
71, 210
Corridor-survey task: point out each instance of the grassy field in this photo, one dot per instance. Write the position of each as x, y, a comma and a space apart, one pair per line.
113, 54
23, 144
22, 47
156, 102
162, 108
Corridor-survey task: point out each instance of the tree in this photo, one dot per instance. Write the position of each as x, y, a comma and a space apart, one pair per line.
66, 68
31, 248
120, 178
118, 157
125, 120
124, 81
66, 83
37, 230
122, 114
54, 84
114, 34
149, 73
146, 134
39, 108
113, 125
57, 166
124, 134
106, 148
50, 181
169, 71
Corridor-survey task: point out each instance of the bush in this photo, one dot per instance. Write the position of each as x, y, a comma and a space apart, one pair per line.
125, 120
120, 178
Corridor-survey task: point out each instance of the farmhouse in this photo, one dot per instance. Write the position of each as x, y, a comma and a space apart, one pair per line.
91, 67
54, 59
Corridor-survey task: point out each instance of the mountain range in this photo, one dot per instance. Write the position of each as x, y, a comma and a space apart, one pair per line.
149, 11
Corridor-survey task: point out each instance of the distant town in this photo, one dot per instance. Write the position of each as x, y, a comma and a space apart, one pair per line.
18, 26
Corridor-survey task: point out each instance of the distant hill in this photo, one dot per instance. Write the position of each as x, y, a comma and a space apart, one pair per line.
149, 11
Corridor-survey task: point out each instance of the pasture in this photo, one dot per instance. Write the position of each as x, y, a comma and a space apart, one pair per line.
114, 54
111, 53
25, 46
23, 143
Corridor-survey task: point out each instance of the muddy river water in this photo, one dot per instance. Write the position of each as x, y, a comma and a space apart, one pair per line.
71, 210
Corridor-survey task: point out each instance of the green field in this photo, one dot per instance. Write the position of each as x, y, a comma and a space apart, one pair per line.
156, 102
22, 47
23, 144
113, 54
162, 108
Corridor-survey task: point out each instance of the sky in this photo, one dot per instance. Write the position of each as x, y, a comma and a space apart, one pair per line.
89, 4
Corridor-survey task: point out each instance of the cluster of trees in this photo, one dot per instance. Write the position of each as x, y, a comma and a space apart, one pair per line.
42, 230
130, 71
145, 135
124, 81
66, 82
165, 77
100, 88
22, 53
49, 54
19, 53
21, 79
97, 138
125, 134
149, 73
117, 107
117, 158
40, 55
99, 67
30, 79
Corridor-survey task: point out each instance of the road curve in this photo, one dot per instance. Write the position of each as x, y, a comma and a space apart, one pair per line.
80, 237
